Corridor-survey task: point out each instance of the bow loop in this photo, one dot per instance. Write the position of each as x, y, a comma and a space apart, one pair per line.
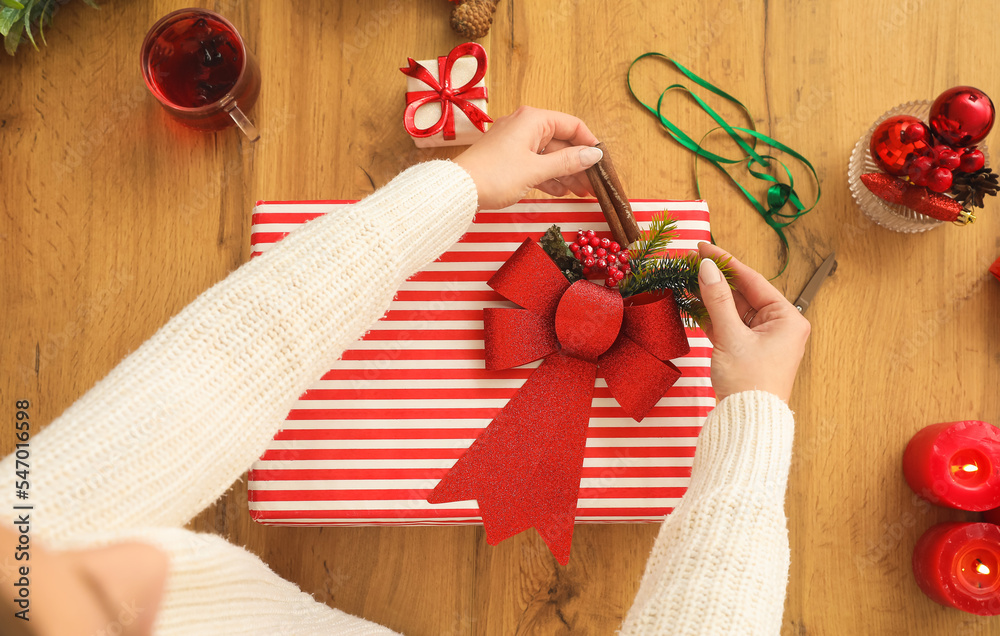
530, 279
657, 327
441, 90
512, 337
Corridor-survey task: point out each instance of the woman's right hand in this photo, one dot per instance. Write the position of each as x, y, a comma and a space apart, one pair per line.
764, 351
530, 148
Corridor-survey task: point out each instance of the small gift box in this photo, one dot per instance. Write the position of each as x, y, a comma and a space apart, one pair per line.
370, 441
446, 98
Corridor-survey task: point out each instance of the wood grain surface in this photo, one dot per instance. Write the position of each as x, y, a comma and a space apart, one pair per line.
114, 218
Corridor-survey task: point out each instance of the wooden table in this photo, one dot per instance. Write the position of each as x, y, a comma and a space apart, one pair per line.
114, 219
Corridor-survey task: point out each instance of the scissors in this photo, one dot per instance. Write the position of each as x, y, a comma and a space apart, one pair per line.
824, 271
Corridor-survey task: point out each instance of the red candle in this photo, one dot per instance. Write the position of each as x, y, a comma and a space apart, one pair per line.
958, 565
955, 464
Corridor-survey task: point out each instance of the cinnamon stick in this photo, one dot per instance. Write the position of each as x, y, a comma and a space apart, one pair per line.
604, 199
613, 200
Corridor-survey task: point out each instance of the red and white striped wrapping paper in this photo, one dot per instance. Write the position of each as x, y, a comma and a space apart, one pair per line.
367, 443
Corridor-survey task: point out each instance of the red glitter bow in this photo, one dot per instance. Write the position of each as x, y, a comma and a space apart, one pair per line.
447, 95
524, 469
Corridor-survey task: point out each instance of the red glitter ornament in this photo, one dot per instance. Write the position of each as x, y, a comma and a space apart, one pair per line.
962, 116
914, 197
888, 149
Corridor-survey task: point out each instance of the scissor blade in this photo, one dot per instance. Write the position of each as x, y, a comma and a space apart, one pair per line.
807, 295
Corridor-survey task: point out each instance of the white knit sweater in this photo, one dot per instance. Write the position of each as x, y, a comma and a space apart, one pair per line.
180, 419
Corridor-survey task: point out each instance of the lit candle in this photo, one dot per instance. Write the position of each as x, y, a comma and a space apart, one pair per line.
955, 464
958, 565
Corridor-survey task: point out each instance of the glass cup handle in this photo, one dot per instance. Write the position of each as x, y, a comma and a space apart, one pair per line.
241, 120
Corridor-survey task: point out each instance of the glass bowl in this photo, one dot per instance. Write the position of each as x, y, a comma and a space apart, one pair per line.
891, 216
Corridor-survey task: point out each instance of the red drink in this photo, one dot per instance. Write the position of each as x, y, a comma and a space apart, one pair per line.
195, 63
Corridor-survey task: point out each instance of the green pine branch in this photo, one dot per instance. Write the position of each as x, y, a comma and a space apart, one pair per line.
662, 230
655, 272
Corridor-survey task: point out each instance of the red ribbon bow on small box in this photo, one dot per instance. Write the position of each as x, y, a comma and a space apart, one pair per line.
524, 469
441, 90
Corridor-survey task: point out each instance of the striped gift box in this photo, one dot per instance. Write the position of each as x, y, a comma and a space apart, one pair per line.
368, 442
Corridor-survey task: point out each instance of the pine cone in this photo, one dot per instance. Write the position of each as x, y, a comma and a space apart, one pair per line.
472, 19
971, 188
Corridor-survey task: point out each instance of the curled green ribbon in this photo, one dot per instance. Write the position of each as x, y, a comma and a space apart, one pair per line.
779, 194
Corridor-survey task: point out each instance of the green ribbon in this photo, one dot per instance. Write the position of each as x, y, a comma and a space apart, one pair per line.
779, 194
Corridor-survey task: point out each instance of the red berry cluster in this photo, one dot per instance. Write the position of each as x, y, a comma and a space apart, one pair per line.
600, 256
935, 167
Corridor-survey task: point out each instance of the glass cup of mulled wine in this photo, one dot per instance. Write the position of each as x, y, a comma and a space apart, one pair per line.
196, 64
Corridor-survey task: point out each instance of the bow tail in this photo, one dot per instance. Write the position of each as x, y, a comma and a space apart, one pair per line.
524, 469
624, 364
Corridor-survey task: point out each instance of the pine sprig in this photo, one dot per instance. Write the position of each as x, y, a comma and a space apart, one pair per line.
653, 271
658, 274
662, 230
678, 275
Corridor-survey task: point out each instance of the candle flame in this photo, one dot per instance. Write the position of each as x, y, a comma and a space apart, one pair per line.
981, 567
970, 468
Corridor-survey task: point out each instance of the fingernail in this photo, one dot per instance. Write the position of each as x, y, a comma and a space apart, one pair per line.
590, 156
709, 272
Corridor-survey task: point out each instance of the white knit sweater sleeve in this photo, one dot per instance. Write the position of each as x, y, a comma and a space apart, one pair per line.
720, 561
217, 588
175, 423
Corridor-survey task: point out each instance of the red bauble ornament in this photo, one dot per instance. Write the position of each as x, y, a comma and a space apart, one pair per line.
962, 116
914, 197
890, 152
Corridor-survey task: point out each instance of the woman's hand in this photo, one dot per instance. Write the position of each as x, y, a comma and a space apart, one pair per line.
759, 336
530, 148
